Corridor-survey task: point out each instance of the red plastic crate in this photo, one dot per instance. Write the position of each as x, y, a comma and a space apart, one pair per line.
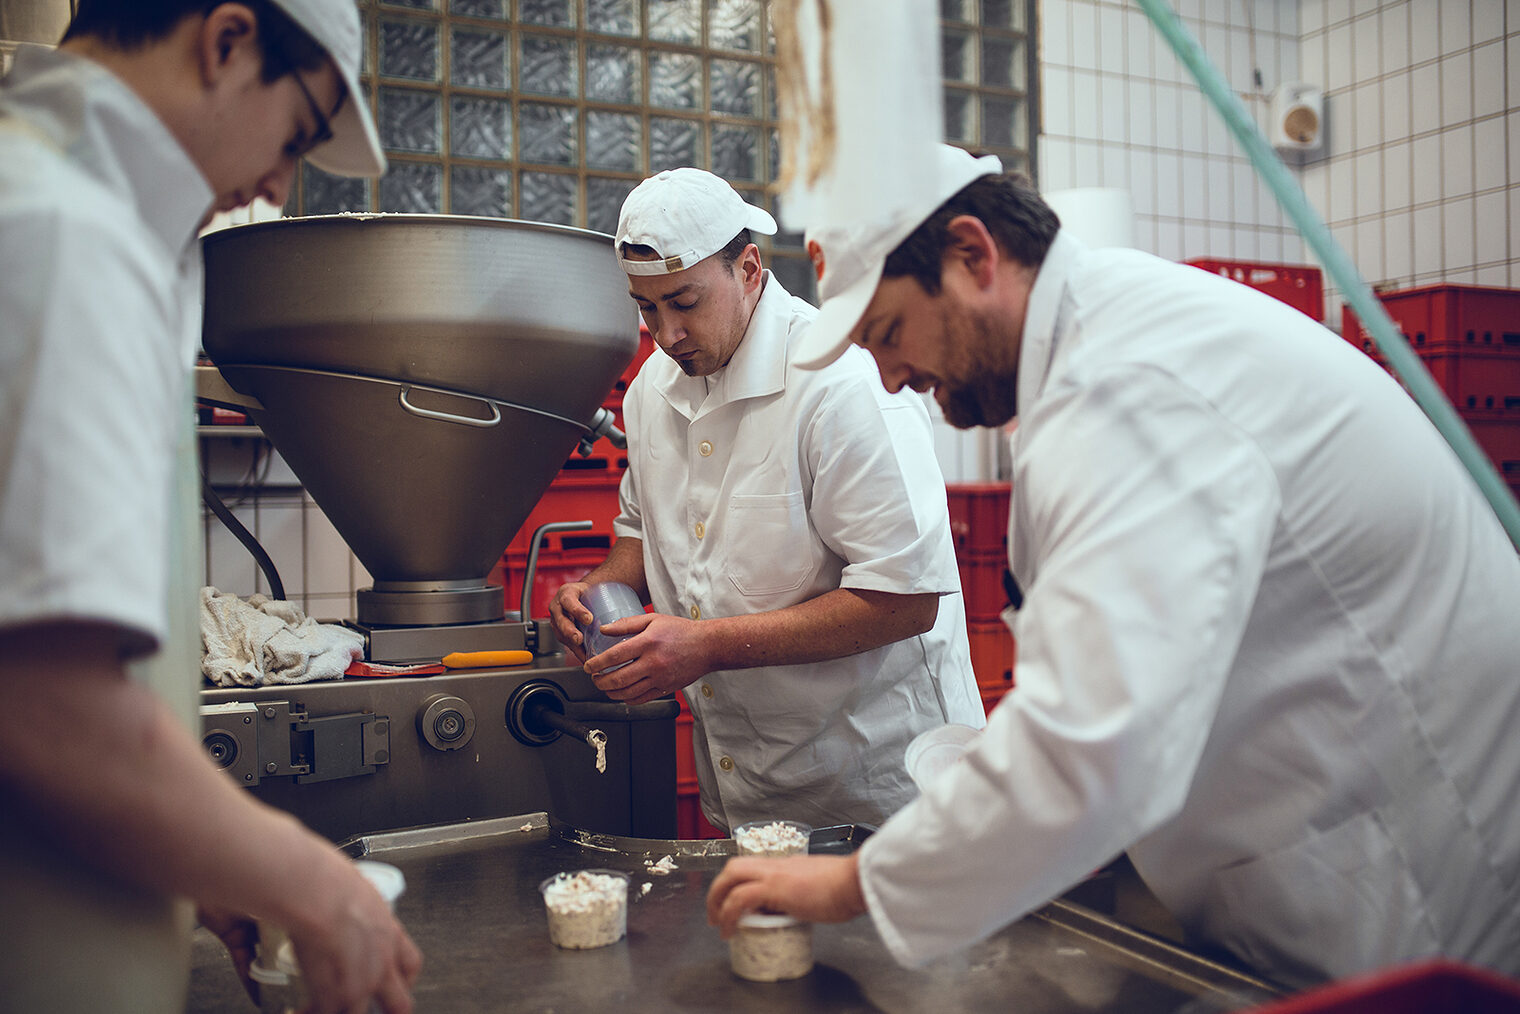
979, 516
1298, 285
1473, 316
991, 696
646, 348
1475, 379
1430, 987
587, 497
982, 584
554, 569
686, 758
992, 652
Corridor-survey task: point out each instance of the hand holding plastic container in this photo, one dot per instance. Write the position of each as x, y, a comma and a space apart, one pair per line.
608, 602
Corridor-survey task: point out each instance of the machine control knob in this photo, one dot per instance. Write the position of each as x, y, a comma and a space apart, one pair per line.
445, 722
222, 746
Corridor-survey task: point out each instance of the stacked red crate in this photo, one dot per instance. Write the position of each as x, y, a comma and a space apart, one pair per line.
1468, 337
1298, 285
689, 820
979, 527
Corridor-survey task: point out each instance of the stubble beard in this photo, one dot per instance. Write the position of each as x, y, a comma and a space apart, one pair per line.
989, 397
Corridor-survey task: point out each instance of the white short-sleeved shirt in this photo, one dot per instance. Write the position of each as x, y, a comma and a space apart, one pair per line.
1265, 646
99, 300
763, 486
100, 280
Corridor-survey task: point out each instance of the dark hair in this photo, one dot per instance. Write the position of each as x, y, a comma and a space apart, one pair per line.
729, 254
735, 249
1010, 207
129, 24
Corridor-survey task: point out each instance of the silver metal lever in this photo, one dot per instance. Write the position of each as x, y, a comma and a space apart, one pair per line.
533, 546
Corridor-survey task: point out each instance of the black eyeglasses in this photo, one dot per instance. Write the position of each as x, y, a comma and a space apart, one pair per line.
324, 127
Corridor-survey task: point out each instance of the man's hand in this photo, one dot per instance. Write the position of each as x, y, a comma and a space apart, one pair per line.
240, 935
811, 888
665, 654
565, 611
357, 954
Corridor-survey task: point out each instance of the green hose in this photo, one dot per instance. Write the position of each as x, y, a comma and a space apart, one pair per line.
1406, 365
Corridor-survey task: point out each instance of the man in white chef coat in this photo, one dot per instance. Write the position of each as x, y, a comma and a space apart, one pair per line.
789, 526
114, 824
1265, 647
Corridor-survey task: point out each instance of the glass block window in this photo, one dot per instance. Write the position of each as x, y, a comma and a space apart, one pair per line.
553, 110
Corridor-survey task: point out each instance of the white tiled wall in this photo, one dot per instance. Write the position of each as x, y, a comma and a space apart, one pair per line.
1118, 110
1419, 178
1422, 179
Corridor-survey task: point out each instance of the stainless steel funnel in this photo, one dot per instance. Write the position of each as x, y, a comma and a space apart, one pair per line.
425, 376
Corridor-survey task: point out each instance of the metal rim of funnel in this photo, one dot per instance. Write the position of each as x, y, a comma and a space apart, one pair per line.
477, 604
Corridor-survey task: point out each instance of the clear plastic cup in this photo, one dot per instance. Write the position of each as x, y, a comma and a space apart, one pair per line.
772, 838
279, 992
586, 908
771, 948
388, 880
275, 968
608, 602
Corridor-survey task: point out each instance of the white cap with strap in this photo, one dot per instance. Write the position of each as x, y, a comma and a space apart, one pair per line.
355, 146
685, 215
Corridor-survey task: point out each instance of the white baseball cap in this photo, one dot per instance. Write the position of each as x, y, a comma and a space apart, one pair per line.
849, 256
355, 146
686, 215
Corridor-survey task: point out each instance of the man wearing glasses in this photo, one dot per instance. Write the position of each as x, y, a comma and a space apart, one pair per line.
114, 825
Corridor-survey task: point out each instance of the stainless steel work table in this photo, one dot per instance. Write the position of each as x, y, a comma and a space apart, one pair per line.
472, 904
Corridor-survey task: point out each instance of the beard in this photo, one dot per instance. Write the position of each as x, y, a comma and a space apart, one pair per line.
989, 400
989, 394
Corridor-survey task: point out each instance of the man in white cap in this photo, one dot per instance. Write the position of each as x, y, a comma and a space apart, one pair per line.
116, 826
789, 526
1265, 645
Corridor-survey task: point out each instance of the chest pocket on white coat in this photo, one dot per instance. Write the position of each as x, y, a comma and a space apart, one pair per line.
769, 545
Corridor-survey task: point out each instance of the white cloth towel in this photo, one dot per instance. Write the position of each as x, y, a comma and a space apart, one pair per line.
265, 641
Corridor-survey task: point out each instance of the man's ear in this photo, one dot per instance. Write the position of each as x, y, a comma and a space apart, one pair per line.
971, 247
228, 33
751, 271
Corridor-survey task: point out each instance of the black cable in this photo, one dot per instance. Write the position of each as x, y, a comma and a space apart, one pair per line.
243, 535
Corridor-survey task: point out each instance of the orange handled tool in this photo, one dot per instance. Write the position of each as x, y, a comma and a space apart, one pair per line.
486, 659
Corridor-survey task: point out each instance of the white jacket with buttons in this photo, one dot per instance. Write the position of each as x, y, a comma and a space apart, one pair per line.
771, 488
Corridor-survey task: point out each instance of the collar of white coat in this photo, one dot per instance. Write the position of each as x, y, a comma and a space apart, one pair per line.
1042, 313
69, 99
757, 367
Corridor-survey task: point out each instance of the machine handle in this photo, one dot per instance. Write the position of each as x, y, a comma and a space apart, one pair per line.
533, 547
616, 711
464, 420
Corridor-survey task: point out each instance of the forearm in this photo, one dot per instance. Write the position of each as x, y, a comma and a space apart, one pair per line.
156, 812
624, 563
845, 621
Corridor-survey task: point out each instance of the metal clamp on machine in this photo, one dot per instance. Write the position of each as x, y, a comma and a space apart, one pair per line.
271, 740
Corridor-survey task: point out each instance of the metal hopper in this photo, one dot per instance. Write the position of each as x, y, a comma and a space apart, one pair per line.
425, 376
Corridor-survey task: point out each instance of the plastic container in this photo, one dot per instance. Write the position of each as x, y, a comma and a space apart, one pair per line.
279, 992
932, 752
586, 908
275, 968
608, 602
771, 948
772, 838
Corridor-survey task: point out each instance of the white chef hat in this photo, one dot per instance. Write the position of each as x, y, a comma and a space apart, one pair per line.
849, 255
